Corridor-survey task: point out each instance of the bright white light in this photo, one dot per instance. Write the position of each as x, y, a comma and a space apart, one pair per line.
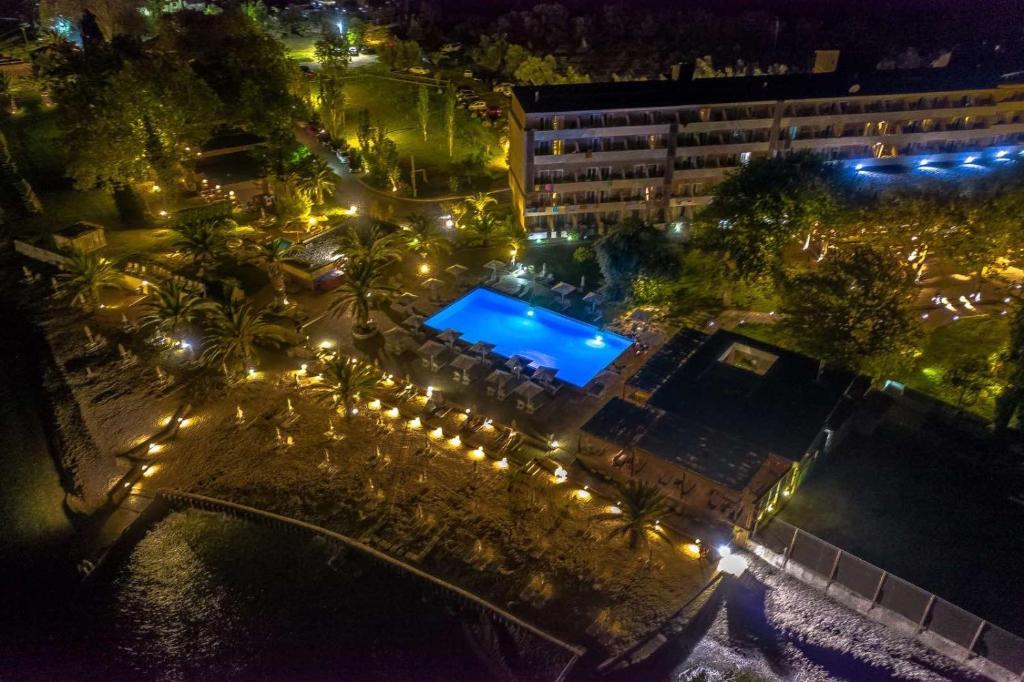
724, 550
859, 166
970, 159
733, 564
529, 312
341, 26
922, 162
1001, 153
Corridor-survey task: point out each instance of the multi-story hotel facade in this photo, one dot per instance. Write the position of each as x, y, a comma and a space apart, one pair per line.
584, 157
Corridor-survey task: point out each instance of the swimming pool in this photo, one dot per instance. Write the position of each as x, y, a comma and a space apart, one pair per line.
577, 350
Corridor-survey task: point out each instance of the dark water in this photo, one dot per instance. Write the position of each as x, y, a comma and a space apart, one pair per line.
206, 596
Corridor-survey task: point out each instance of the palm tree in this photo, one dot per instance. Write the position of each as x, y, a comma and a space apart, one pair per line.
204, 240
9, 87
424, 238
343, 379
315, 180
372, 244
457, 210
85, 275
641, 506
171, 308
480, 201
269, 256
363, 288
232, 334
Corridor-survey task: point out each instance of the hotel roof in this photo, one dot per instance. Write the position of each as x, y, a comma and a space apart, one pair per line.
656, 94
722, 417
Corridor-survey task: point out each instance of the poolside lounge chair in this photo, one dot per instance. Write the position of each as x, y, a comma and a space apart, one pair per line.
463, 365
528, 396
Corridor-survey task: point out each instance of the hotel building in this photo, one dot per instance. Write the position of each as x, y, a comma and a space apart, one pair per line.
583, 157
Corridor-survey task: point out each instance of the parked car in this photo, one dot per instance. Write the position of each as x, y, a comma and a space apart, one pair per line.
419, 70
504, 89
451, 47
478, 105
342, 155
468, 73
353, 50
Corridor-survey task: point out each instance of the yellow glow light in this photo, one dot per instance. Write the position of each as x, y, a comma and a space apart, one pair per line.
437, 433
393, 413
374, 404
154, 448
583, 495
455, 441
691, 550
326, 344
478, 454
415, 423
424, 268
148, 471
501, 463
612, 509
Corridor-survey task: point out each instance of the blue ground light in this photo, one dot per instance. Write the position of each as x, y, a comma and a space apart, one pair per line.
577, 350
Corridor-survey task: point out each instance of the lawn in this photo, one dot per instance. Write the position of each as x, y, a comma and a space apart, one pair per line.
299, 48
393, 105
969, 337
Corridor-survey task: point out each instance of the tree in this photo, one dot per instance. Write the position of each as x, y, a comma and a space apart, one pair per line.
423, 110
342, 380
544, 71
270, 256
316, 180
86, 275
232, 334
9, 87
641, 507
133, 122
204, 241
767, 206
852, 310
480, 202
331, 50
966, 379
363, 289
171, 307
373, 244
423, 237
450, 101
332, 106
631, 250
1010, 403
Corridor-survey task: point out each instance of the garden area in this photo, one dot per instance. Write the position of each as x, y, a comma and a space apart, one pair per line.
477, 162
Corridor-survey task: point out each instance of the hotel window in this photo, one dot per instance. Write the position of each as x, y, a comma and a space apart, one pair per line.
592, 173
557, 147
557, 122
744, 158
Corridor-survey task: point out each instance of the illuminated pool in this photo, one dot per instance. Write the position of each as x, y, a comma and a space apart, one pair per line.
577, 350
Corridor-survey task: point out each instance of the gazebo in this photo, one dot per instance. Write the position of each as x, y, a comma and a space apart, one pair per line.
414, 321
593, 299
481, 348
449, 337
432, 283
497, 383
517, 363
432, 355
563, 289
494, 266
463, 365
529, 394
456, 271
394, 340
406, 299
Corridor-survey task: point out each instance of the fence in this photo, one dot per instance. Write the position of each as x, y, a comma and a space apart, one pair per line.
36, 253
870, 588
178, 499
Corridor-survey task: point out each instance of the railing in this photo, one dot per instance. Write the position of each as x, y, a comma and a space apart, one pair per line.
179, 499
871, 587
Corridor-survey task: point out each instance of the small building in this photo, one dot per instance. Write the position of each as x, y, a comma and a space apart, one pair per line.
82, 236
727, 426
316, 262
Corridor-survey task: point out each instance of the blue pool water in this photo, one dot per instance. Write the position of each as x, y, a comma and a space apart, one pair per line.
577, 350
